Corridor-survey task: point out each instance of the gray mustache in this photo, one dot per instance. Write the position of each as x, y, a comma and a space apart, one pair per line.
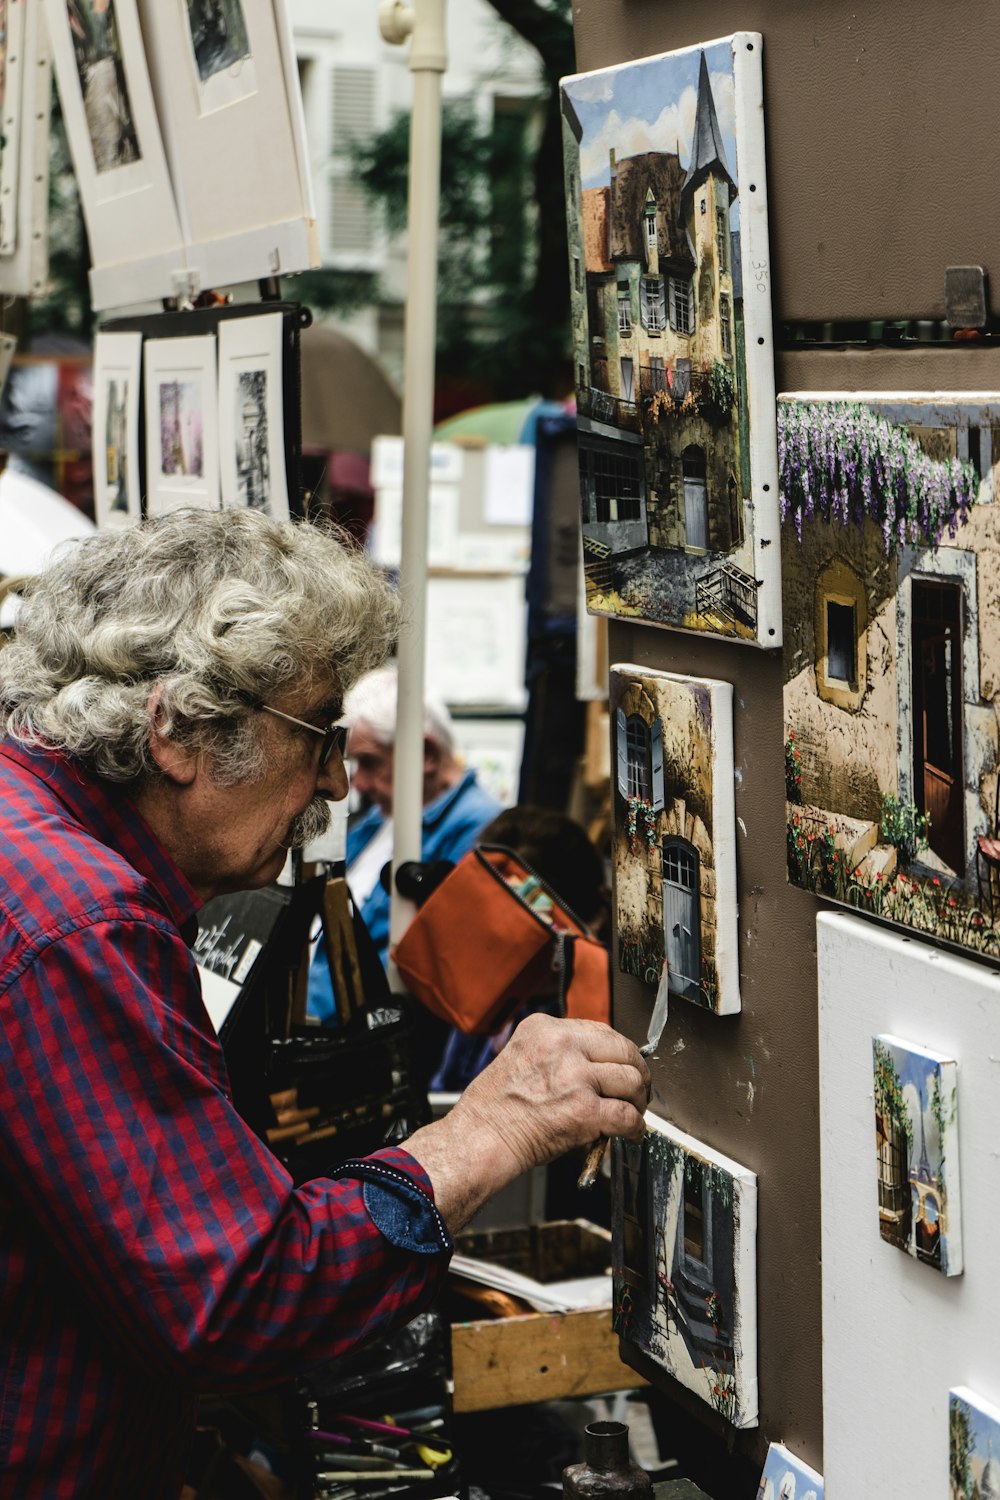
309, 825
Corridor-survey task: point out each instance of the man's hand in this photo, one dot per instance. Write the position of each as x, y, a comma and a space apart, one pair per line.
557, 1084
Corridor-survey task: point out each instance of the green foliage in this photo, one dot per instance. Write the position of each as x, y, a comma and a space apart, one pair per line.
903, 826
960, 1446
889, 1090
65, 307
721, 391
793, 769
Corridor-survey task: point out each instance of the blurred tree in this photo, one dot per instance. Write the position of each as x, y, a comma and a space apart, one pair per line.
65, 308
503, 289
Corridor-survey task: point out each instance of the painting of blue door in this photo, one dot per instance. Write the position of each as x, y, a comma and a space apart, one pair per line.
681, 916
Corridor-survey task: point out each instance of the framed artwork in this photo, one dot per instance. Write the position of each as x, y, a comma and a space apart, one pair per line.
684, 1266
973, 1445
674, 842
786, 1477
221, 55
671, 311
25, 92
916, 1152
182, 434
891, 696
251, 414
117, 467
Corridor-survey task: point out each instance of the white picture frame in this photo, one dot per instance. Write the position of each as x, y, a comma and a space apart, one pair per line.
182, 432
136, 243
117, 391
24, 176
251, 415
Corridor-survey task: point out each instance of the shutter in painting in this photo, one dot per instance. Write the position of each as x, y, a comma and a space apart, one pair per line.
621, 751
644, 302
656, 758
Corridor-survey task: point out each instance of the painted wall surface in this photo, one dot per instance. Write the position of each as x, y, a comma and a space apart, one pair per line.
897, 1337
872, 161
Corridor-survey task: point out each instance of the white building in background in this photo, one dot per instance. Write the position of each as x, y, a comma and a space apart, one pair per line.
353, 84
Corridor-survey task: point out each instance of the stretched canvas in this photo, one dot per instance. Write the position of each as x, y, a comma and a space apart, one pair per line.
251, 414
182, 434
671, 310
973, 1446
916, 1152
684, 1265
786, 1477
674, 843
117, 481
890, 561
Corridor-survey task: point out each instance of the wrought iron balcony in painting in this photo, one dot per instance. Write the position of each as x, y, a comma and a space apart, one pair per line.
728, 594
614, 410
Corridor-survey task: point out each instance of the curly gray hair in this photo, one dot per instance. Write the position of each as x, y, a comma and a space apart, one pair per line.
215, 610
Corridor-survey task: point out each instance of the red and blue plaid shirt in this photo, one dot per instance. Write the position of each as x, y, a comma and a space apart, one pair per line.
150, 1246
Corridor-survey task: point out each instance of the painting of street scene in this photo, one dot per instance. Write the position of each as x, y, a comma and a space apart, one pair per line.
786, 1477
674, 842
916, 1152
218, 34
973, 1446
684, 1266
253, 456
660, 211
891, 595
103, 85
116, 442
181, 439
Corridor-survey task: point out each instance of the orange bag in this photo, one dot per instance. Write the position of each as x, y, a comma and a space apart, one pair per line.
493, 935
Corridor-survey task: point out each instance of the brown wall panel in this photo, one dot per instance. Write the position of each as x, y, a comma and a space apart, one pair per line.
881, 131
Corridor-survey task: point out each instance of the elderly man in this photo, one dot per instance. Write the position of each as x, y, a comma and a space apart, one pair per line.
456, 808
170, 701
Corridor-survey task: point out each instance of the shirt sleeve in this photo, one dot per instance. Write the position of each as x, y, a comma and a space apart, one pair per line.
184, 1233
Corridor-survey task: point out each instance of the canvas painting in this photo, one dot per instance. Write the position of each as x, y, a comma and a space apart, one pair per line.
674, 842
916, 1152
670, 299
786, 1477
117, 483
890, 561
182, 436
107, 100
973, 1446
684, 1266
251, 414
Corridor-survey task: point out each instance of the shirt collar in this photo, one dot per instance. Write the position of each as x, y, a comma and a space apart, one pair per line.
436, 810
107, 811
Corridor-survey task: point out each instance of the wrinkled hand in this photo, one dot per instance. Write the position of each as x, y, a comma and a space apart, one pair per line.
556, 1085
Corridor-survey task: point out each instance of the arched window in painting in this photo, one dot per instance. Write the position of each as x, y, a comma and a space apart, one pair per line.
682, 916
639, 755
695, 498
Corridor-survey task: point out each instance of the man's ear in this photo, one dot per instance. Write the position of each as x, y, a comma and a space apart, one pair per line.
176, 762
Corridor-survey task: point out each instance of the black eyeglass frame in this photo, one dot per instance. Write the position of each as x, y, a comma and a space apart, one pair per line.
334, 736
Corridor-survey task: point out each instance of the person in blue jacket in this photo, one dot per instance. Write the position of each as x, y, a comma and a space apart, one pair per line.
456, 809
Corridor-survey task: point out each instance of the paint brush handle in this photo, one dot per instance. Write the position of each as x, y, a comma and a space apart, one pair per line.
592, 1166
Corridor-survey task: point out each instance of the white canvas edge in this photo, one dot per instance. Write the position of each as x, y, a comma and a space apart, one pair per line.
225, 255
972, 397
260, 339
25, 272
972, 1398
116, 351
13, 119
727, 956
758, 331
164, 357
296, 108
951, 1148
744, 1260
130, 212
786, 1456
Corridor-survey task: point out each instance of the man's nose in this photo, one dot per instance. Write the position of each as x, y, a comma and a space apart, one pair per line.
332, 780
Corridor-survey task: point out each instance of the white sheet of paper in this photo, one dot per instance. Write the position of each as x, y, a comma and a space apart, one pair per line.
442, 538
510, 485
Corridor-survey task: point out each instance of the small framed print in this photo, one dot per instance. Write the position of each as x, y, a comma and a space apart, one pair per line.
117, 469
251, 414
182, 434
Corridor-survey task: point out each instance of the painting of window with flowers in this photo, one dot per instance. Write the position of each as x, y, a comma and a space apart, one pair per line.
684, 1256
891, 599
674, 842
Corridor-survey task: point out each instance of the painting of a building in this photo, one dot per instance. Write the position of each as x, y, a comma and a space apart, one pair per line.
674, 843
684, 1224
916, 1152
973, 1446
891, 584
658, 241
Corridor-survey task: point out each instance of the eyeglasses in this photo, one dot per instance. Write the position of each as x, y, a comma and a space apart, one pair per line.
334, 737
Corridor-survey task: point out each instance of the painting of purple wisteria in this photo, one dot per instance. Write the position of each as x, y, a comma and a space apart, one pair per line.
670, 301
891, 600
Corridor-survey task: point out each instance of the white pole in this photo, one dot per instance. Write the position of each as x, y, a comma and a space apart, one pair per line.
425, 20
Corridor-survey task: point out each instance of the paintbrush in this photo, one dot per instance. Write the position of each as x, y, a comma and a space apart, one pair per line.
657, 1021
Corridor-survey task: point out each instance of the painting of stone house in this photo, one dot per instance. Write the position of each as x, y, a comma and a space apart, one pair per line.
891, 584
684, 1268
674, 841
670, 298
